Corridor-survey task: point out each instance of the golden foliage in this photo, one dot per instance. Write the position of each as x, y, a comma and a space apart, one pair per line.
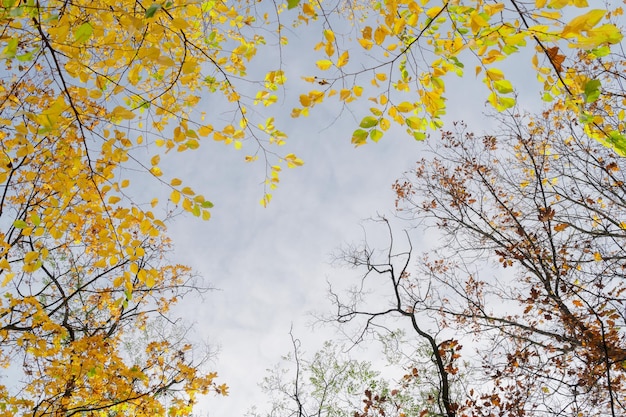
418, 43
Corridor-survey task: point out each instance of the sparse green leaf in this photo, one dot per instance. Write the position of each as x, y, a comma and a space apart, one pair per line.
83, 33
503, 86
20, 224
593, 88
150, 11
368, 121
11, 49
376, 135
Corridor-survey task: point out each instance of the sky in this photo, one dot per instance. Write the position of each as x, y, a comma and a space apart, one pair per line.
271, 265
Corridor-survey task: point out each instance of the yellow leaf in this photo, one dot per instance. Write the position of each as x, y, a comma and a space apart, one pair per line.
366, 43
175, 182
205, 130
434, 11
31, 257
329, 35
5, 265
7, 278
343, 59
324, 64
495, 74
597, 256
155, 159
558, 4
122, 113
379, 35
492, 9
175, 196
584, 23
329, 49
179, 23
405, 106
477, 21
308, 10
141, 275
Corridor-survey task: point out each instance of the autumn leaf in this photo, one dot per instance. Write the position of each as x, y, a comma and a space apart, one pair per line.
324, 64
560, 227
545, 214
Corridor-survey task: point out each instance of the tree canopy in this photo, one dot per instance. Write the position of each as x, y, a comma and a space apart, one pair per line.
398, 54
89, 88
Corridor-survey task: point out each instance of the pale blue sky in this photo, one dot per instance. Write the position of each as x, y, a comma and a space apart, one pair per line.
271, 264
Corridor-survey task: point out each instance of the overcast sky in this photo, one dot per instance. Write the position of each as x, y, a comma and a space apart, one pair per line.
271, 264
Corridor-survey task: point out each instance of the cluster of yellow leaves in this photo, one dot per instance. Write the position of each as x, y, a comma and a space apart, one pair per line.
409, 47
84, 86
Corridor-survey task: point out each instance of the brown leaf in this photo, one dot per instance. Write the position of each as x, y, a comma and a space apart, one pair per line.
545, 214
555, 57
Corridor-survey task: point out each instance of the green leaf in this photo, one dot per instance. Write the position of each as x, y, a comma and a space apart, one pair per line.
292, 3
192, 144
150, 11
503, 86
27, 56
457, 62
592, 90
83, 33
368, 121
419, 135
17, 12
586, 118
359, 137
618, 141
504, 103
376, 135
601, 51
35, 219
11, 48
206, 204
20, 224
509, 49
